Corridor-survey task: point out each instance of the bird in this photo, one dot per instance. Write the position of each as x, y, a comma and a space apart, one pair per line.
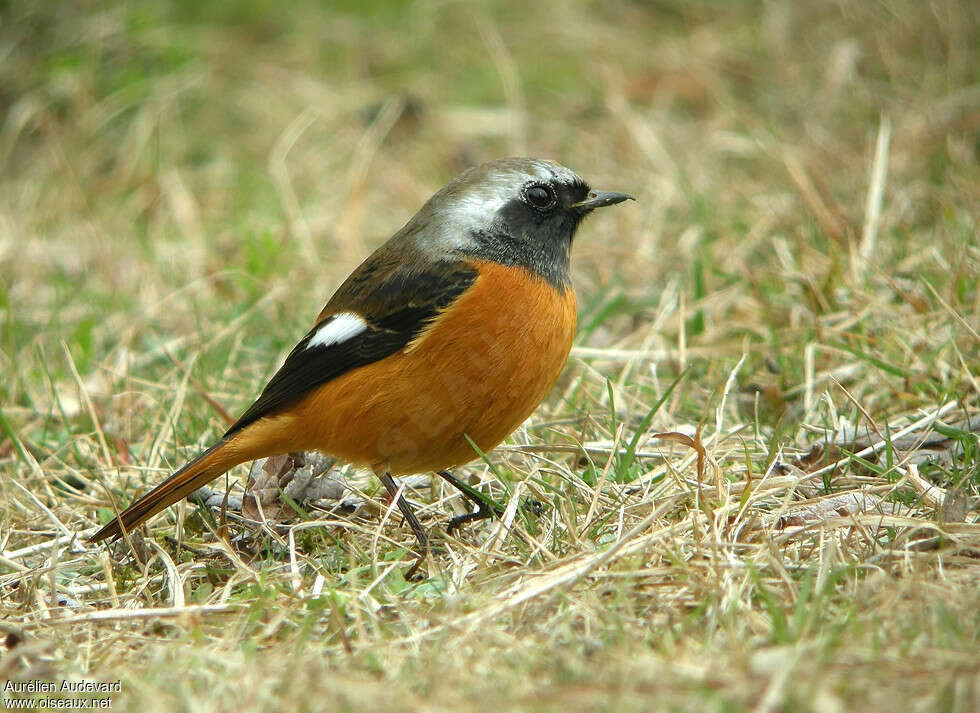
446, 337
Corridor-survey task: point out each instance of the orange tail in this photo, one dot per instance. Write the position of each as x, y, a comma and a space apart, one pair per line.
206, 467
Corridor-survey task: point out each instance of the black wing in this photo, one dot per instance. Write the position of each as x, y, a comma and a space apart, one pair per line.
396, 301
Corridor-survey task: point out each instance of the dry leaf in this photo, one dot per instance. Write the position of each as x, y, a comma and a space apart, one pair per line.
300, 477
263, 486
818, 510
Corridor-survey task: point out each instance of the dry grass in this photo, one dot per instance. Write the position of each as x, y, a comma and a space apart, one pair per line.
184, 184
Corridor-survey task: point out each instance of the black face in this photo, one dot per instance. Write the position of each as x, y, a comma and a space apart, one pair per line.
535, 229
517, 211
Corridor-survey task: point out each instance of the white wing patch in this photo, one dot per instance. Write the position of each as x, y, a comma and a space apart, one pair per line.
339, 328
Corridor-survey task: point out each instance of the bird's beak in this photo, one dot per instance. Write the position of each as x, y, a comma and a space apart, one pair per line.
600, 199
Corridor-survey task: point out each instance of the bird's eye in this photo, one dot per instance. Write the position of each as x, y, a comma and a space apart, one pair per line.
540, 196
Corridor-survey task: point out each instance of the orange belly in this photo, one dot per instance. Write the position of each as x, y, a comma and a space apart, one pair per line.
481, 369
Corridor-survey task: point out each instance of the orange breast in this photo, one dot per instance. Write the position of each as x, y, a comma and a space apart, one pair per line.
481, 369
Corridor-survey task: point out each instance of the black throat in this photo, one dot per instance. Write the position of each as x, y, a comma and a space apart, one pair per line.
547, 258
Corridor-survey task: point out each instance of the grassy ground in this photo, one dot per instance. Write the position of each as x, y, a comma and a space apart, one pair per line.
183, 185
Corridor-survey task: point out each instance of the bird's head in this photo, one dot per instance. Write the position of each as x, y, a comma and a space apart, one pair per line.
518, 211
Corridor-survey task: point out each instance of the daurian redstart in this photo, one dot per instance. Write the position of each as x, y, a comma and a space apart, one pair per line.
456, 328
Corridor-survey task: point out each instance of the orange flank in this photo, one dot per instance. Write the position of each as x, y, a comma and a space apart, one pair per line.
481, 368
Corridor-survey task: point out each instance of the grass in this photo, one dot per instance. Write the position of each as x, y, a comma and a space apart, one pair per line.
182, 187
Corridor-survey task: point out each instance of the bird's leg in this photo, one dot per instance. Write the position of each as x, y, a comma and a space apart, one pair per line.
413, 522
485, 507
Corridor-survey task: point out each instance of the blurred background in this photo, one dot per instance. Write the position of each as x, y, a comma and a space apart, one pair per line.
163, 165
